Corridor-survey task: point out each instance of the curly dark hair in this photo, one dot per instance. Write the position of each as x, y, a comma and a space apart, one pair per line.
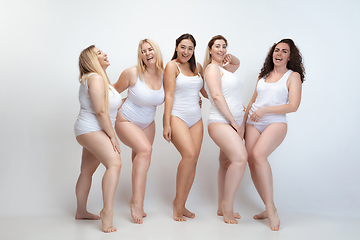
295, 63
192, 60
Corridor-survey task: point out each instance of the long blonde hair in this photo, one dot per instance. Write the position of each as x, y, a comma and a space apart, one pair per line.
207, 59
88, 63
141, 67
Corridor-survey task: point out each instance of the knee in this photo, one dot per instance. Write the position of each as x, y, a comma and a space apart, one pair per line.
190, 157
258, 157
144, 154
115, 164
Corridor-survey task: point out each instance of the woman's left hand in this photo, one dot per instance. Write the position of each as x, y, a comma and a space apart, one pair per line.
227, 58
258, 114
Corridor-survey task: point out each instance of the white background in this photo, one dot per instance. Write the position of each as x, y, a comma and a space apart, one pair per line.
315, 169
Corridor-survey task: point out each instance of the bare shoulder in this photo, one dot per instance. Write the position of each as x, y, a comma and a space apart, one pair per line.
130, 72
171, 66
295, 77
93, 78
212, 69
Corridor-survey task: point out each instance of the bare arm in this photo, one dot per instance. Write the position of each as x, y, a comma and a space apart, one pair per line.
213, 80
294, 87
127, 78
233, 63
96, 93
202, 90
170, 75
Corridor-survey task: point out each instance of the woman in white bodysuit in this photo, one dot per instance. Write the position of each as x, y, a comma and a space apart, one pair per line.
135, 125
182, 117
99, 103
277, 92
226, 122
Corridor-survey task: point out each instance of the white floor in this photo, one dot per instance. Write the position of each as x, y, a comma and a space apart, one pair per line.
159, 225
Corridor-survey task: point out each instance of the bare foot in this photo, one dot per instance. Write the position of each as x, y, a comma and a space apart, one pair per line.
106, 219
178, 213
137, 212
228, 214
273, 219
262, 215
86, 216
187, 213
236, 215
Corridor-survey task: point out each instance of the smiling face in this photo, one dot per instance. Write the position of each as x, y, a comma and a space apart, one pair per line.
148, 54
185, 50
281, 54
218, 51
102, 58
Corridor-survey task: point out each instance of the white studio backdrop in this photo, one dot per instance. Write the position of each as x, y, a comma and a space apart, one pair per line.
315, 169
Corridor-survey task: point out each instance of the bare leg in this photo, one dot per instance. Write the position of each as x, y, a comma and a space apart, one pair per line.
268, 141
141, 143
188, 143
224, 163
89, 164
98, 143
233, 147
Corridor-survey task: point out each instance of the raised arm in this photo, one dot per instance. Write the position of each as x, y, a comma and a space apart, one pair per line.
213, 80
294, 87
170, 75
232, 63
96, 93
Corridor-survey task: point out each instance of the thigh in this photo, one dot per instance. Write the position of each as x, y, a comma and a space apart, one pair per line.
197, 132
181, 137
99, 144
251, 137
132, 136
89, 162
150, 132
270, 139
228, 140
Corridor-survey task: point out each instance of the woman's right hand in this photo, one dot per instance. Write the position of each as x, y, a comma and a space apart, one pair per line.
115, 144
167, 133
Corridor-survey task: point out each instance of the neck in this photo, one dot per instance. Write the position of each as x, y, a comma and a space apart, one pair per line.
152, 70
220, 64
280, 69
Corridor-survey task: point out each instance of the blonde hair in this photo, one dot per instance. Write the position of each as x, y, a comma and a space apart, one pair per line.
207, 59
141, 67
88, 63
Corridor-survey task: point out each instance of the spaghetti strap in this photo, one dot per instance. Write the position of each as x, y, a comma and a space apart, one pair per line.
177, 66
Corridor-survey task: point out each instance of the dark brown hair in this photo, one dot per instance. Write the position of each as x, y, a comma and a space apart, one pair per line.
192, 60
295, 63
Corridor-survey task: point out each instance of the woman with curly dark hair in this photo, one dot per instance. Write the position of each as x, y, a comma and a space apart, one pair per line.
277, 92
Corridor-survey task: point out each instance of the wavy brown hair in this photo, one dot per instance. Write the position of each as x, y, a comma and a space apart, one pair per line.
192, 60
295, 63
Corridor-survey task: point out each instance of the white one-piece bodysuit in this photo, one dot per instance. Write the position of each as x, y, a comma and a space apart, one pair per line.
186, 98
270, 94
231, 89
140, 105
87, 120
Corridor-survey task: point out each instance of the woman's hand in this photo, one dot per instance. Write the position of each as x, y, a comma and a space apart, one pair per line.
167, 133
228, 58
115, 144
258, 114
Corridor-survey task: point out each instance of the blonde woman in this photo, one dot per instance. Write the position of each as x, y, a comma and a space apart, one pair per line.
94, 131
226, 122
182, 117
135, 125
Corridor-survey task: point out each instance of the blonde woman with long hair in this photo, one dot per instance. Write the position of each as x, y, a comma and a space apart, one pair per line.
94, 131
135, 125
226, 122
